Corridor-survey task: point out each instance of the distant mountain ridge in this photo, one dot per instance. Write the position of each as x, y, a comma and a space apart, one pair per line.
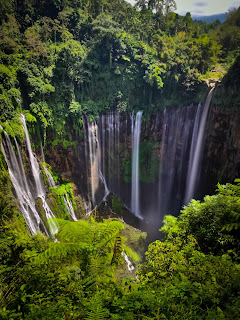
221, 17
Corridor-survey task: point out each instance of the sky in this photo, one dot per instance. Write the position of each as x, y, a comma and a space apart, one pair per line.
203, 7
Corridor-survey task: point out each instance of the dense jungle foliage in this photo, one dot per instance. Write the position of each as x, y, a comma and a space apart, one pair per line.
193, 273
62, 59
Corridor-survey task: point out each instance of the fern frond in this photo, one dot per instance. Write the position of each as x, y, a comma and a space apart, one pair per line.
107, 234
59, 251
230, 226
96, 310
117, 250
76, 231
95, 271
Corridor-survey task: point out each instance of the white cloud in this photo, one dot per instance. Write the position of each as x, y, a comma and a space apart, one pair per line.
211, 7
208, 7
200, 4
131, 1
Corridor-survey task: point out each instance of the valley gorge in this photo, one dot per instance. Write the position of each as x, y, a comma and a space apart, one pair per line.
119, 161
147, 166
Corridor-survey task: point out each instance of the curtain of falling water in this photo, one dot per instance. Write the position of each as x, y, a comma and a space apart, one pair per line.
21, 187
36, 172
195, 163
135, 165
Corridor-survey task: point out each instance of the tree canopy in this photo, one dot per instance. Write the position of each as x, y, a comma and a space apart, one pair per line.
107, 54
192, 274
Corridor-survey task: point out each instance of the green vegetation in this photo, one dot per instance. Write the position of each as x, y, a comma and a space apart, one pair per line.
116, 205
193, 273
149, 164
56, 196
50, 170
126, 167
64, 143
60, 60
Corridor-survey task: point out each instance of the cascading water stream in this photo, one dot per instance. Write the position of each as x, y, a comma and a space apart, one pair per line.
69, 207
66, 200
42, 152
94, 158
193, 145
136, 131
50, 179
21, 187
108, 145
128, 262
38, 181
198, 146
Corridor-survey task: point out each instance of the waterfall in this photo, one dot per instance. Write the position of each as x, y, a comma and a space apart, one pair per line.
21, 187
42, 152
111, 144
50, 179
136, 131
193, 145
86, 206
38, 181
69, 207
93, 158
110, 155
176, 138
197, 152
130, 266
66, 200
102, 178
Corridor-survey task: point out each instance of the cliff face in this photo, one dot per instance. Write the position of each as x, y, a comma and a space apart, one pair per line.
69, 163
165, 145
221, 162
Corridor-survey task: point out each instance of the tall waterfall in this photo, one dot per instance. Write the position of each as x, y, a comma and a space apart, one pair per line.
136, 127
110, 150
176, 138
40, 191
94, 154
107, 142
197, 152
93, 159
21, 187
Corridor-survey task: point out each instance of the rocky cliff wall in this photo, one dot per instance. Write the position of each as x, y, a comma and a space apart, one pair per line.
221, 160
